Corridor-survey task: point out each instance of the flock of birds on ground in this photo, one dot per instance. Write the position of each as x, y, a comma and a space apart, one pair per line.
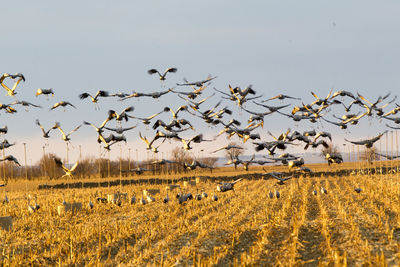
215, 115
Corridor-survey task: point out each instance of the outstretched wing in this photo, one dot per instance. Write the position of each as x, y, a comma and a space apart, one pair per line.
74, 130
58, 162
74, 167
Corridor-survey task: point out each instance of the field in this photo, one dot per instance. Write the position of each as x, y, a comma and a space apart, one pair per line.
244, 227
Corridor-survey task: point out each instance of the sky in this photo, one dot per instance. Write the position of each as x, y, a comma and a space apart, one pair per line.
288, 47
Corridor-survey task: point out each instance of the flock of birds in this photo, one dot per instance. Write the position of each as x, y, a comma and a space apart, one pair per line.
182, 119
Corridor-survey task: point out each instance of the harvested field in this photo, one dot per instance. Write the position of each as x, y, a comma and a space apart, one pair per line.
244, 227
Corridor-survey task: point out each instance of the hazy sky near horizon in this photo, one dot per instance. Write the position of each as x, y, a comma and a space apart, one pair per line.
290, 47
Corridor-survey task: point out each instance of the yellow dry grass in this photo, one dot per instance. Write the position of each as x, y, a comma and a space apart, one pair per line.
244, 227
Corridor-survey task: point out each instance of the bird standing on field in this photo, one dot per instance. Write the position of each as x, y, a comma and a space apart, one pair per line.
214, 197
166, 199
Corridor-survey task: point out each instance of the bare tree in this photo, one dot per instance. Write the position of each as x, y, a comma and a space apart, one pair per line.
180, 156
233, 153
210, 161
331, 149
369, 154
49, 168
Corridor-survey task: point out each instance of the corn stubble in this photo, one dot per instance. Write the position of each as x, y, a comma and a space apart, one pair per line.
244, 227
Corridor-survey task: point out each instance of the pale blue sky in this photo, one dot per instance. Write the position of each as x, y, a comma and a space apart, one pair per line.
281, 46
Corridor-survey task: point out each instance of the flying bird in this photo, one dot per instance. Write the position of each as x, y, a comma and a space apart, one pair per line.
154, 95
148, 143
197, 83
11, 158
146, 120
195, 164
196, 139
25, 104
121, 116
120, 95
391, 127
100, 128
228, 147
5, 144
120, 130
281, 180
45, 92
68, 172
175, 114
281, 97
162, 76
4, 130
65, 137
367, 142
62, 104
11, 91
195, 105
94, 98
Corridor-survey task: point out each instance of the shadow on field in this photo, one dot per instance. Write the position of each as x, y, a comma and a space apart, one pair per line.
159, 181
